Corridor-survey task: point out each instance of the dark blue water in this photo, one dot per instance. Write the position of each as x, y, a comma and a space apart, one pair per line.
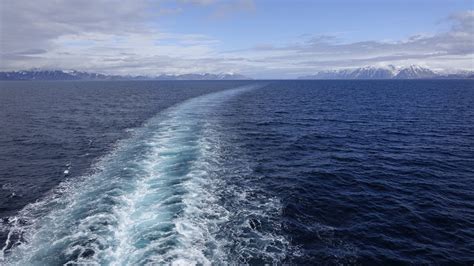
334, 172
49, 127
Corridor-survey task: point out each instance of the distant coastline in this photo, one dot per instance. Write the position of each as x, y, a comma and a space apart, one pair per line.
362, 73
80, 75
388, 72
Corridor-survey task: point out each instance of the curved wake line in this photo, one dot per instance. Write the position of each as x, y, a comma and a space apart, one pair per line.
160, 197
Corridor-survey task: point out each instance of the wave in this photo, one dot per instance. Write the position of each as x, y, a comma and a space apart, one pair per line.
176, 192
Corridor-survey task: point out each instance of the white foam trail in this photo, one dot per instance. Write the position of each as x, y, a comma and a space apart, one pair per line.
159, 198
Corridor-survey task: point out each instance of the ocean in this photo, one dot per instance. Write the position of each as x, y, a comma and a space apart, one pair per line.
237, 172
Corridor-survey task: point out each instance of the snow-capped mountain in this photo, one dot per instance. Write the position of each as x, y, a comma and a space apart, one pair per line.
37, 74
415, 72
373, 73
388, 72
204, 76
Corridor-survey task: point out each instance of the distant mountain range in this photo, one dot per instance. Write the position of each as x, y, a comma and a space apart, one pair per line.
369, 72
79, 75
389, 72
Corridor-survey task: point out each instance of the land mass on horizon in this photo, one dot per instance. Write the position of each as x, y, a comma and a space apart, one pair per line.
368, 72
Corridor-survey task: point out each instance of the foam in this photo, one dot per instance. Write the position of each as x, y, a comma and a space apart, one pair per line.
162, 196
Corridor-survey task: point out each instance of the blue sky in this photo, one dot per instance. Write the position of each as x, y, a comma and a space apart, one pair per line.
283, 21
259, 38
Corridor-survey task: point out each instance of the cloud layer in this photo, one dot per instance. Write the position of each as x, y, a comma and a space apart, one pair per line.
125, 38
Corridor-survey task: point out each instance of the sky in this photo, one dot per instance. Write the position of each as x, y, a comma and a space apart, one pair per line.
256, 38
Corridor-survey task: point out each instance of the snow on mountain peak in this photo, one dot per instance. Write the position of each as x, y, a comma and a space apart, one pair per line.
377, 72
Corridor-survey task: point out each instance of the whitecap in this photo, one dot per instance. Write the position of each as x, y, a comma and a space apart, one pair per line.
165, 195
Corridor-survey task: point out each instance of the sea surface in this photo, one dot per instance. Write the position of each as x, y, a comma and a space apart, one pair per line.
235, 172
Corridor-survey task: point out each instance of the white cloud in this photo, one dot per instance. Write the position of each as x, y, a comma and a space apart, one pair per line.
118, 37
449, 50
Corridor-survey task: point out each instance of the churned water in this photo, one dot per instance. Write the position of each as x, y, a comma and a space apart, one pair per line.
335, 172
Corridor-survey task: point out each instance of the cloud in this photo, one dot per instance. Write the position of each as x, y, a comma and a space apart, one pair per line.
199, 2
446, 50
32, 52
231, 7
124, 37
25, 23
170, 11
464, 21
220, 9
88, 35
